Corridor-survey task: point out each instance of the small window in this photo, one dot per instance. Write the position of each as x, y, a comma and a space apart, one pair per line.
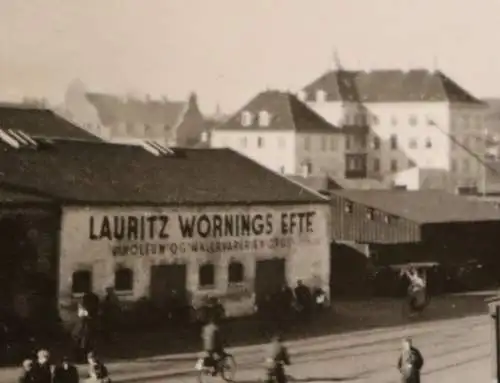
260, 142
394, 142
428, 143
413, 120
324, 143
81, 282
264, 119
207, 275
333, 143
376, 165
124, 279
320, 96
394, 165
376, 143
348, 207
236, 272
413, 143
307, 143
370, 214
246, 118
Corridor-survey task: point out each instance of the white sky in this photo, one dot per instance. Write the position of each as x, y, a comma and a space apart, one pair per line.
228, 50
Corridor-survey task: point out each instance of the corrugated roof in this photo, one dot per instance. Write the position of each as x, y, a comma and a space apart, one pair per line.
41, 123
286, 112
388, 86
102, 173
427, 206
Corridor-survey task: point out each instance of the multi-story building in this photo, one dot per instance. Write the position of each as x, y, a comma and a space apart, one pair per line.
131, 119
418, 128
280, 132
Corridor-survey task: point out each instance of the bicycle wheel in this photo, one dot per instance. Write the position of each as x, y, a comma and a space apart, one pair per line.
228, 368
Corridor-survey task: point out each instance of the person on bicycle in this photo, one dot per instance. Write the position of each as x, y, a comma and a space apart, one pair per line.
212, 344
276, 360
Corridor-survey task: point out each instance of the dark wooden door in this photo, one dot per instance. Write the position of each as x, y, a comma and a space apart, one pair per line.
270, 276
165, 279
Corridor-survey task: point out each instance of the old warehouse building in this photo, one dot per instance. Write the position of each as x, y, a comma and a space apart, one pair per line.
149, 220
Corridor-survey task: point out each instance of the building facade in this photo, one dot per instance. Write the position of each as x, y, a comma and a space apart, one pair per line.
278, 131
415, 118
202, 222
132, 119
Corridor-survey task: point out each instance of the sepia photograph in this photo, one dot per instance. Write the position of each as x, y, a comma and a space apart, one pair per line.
249, 191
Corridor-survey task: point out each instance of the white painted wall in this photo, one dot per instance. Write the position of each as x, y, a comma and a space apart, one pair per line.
325, 152
277, 151
307, 254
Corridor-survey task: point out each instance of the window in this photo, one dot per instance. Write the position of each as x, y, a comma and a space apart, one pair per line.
370, 214
320, 96
413, 143
394, 120
348, 207
81, 282
260, 142
264, 119
376, 143
394, 142
413, 120
348, 142
124, 279
246, 118
243, 142
207, 275
428, 143
324, 143
236, 272
375, 120
376, 165
394, 165
307, 143
362, 141
333, 143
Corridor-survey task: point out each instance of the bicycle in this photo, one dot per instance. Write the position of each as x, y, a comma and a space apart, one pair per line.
225, 367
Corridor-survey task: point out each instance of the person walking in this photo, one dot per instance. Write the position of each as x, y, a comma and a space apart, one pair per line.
410, 362
66, 372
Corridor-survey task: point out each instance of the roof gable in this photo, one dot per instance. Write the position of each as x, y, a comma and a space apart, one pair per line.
286, 112
416, 85
428, 206
101, 173
115, 110
41, 123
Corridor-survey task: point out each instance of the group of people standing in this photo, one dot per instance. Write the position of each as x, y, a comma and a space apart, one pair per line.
41, 370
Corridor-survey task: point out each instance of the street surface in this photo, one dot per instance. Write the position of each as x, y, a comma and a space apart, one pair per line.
454, 351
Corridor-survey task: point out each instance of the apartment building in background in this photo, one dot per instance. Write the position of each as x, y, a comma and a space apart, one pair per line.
131, 119
280, 132
417, 128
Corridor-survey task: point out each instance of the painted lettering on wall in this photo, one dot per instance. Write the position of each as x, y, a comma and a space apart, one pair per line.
212, 233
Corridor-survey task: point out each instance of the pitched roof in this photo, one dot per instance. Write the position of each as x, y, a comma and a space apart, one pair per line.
388, 86
427, 206
113, 110
103, 173
318, 183
40, 123
286, 112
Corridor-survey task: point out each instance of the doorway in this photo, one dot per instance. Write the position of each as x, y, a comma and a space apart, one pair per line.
270, 275
165, 279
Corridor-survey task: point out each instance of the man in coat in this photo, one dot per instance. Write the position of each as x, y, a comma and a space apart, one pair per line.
410, 362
